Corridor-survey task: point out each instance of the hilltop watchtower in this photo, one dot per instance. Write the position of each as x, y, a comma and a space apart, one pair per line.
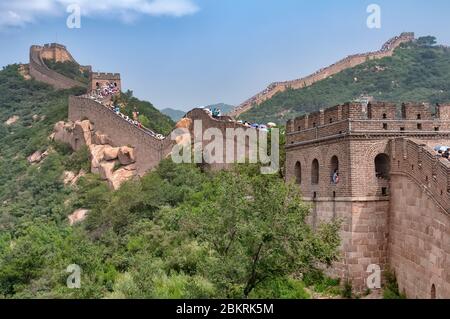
391, 183
98, 79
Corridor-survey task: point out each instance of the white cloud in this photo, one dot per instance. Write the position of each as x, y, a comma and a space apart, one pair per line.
18, 13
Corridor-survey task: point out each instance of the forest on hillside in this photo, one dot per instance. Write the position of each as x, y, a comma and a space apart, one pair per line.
178, 232
417, 72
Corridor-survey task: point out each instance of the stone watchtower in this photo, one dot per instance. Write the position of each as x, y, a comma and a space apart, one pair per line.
98, 79
372, 149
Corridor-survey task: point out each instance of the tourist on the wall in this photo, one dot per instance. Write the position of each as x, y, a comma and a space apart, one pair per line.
335, 177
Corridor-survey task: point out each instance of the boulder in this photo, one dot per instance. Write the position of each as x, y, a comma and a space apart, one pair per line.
82, 134
110, 153
36, 157
101, 139
184, 123
78, 216
12, 120
120, 176
63, 132
126, 155
106, 169
68, 177
97, 152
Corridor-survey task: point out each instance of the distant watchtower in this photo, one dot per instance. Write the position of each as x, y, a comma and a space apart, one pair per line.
98, 79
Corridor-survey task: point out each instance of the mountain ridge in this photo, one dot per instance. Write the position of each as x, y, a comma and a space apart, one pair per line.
417, 71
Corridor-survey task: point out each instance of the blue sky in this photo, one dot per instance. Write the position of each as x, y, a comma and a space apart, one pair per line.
188, 53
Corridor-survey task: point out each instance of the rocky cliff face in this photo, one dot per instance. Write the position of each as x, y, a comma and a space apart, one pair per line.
114, 164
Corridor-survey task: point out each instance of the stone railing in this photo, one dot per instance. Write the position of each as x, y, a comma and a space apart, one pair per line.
417, 160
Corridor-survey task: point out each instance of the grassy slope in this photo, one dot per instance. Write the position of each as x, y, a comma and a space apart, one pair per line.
414, 73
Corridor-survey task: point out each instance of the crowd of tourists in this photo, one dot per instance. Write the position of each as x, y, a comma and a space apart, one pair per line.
443, 151
99, 96
134, 121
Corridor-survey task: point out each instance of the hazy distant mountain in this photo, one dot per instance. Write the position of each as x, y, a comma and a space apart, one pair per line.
175, 115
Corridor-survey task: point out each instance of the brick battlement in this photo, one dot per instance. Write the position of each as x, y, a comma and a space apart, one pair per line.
105, 76
55, 45
377, 118
392, 191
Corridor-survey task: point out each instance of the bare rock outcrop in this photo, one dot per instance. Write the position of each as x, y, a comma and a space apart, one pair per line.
76, 134
78, 216
71, 178
13, 119
122, 175
126, 155
110, 153
37, 157
101, 139
114, 164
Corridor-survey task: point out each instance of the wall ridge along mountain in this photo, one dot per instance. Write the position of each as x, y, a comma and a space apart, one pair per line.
349, 62
41, 72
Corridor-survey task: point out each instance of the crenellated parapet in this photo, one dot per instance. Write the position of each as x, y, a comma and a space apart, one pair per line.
100, 79
376, 118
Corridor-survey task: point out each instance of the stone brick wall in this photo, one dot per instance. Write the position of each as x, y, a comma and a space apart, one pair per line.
349, 62
419, 239
97, 80
40, 72
149, 150
376, 208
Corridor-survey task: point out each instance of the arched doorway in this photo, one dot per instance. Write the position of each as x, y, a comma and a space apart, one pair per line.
382, 166
315, 172
298, 173
433, 292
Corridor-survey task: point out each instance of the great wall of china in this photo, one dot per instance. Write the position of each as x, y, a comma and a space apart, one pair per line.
393, 194
39, 70
349, 62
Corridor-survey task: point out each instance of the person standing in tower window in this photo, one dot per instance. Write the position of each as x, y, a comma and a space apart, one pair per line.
335, 177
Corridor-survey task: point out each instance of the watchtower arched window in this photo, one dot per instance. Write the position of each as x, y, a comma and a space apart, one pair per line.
334, 170
298, 173
382, 166
315, 172
384, 116
419, 116
433, 292
97, 84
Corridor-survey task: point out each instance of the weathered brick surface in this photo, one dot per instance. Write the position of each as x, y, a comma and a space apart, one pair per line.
40, 72
387, 221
